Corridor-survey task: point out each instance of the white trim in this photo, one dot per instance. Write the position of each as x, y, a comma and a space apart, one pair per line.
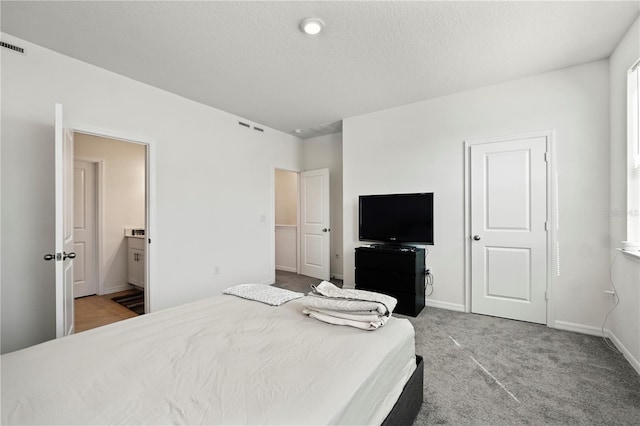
633, 154
272, 226
120, 287
458, 307
286, 269
597, 331
338, 276
633, 255
150, 199
578, 328
552, 216
627, 354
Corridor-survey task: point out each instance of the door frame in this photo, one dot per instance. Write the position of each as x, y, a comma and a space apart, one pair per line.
98, 165
553, 259
272, 220
150, 201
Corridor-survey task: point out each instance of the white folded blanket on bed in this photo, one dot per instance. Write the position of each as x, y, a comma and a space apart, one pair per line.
364, 321
383, 304
362, 309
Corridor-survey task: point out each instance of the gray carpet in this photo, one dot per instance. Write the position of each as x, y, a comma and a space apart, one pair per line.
522, 374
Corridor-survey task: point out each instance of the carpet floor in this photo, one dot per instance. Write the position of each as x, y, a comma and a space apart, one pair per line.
482, 370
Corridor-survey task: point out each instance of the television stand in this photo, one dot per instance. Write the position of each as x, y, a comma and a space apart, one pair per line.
397, 271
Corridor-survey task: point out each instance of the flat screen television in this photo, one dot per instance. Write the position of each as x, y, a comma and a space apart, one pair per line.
396, 218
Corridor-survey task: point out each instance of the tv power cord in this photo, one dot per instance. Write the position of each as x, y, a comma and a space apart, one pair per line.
607, 342
428, 281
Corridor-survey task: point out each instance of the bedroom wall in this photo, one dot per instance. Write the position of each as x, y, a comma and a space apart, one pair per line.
202, 218
419, 148
624, 321
123, 201
326, 152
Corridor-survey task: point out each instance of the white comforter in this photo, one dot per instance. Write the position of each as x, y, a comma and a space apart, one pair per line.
223, 360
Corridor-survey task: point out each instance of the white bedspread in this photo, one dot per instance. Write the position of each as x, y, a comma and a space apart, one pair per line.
223, 360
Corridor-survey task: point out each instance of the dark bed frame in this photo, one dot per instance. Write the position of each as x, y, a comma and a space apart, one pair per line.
405, 411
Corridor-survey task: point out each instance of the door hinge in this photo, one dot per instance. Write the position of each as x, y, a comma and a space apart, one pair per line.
546, 226
546, 157
546, 295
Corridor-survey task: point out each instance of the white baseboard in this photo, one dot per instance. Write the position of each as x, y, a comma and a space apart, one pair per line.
578, 328
634, 362
338, 276
109, 290
445, 305
597, 331
286, 269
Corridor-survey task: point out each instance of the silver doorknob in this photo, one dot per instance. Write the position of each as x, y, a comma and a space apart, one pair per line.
476, 237
71, 255
326, 229
49, 257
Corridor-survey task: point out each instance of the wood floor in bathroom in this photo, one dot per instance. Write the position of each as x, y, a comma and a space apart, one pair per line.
96, 311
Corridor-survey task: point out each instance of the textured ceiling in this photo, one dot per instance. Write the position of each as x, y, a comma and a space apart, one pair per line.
250, 59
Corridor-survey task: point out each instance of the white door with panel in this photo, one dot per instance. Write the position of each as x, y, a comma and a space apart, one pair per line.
64, 253
508, 201
85, 281
315, 224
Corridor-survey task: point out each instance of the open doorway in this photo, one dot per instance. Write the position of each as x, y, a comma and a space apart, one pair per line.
302, 222
286, 220
110, 211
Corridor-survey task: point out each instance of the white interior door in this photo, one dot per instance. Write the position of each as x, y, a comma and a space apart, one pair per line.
508, 191
64, 225
315, 241
85, 281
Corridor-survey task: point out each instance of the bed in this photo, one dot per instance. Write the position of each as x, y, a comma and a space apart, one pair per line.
222, 360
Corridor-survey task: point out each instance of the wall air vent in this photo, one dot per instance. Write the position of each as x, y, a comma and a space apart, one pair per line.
244, 124
258, 129
12, 47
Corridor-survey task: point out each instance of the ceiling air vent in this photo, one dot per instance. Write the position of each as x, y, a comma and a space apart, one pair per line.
12, 47
244, 124
258, 129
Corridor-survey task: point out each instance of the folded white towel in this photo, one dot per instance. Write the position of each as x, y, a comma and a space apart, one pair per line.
327, 303
362, 317
335, 319
362, 309
385, 304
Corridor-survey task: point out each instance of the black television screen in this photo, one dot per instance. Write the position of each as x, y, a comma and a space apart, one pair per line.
396, 218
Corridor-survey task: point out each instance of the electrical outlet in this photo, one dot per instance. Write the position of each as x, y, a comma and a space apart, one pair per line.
216, 270
337, 255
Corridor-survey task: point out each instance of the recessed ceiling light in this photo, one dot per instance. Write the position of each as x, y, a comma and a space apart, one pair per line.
311, 26
297, 131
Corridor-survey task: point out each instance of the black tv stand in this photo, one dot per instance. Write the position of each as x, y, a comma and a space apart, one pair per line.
394, 270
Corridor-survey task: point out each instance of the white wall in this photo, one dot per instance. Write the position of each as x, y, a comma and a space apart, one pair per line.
326, 152
419, 148
123, 201
624, 322
202, 218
